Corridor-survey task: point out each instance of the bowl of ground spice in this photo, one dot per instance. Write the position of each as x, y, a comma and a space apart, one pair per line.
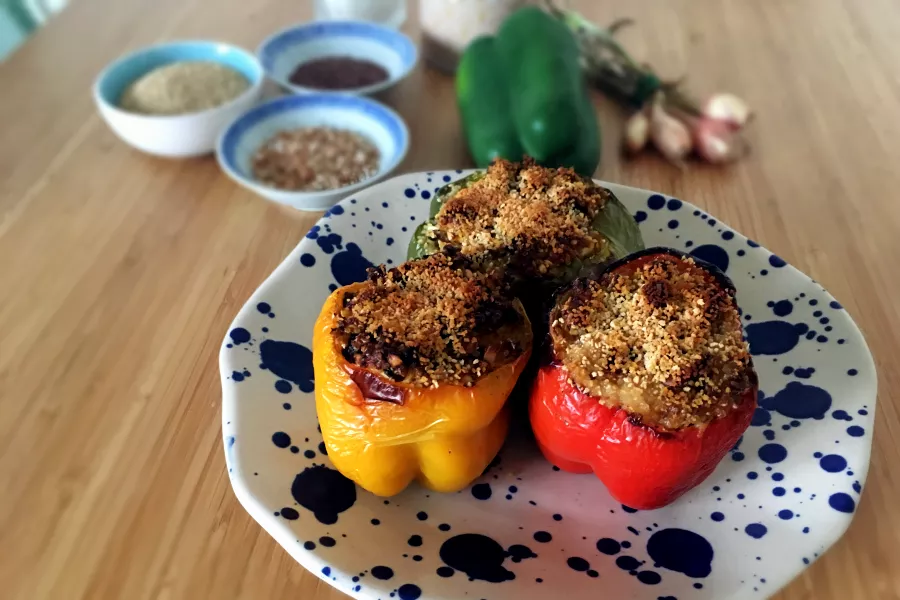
175, 99
347, 57
309, 151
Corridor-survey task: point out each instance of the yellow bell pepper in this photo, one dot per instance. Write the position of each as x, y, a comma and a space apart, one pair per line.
442, 436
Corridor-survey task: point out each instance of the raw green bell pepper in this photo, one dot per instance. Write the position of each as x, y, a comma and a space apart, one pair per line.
522, 93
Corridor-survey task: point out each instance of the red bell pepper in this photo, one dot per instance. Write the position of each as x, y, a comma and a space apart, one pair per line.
643, 466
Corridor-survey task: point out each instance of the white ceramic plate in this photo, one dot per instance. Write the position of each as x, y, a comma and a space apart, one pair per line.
784, 495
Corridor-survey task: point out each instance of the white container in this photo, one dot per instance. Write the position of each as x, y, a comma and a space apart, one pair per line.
449, 25
390, 13
174, 136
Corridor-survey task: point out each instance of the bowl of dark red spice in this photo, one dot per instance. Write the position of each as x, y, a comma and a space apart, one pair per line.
345, 57
309, 151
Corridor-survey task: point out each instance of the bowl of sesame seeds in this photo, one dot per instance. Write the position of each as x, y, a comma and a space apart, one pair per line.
310, 151
174, 99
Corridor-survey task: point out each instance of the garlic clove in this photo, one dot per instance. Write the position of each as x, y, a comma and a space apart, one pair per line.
727, 108
637, 132
717, 142
670, 136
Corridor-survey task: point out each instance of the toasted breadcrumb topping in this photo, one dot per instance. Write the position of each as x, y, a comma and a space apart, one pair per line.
440, 319
539, 217
660, 337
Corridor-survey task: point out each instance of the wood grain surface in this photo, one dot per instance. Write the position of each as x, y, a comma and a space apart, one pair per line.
120, 274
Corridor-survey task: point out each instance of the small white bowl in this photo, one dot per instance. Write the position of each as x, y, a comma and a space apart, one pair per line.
379, 124
174, 136
281, 53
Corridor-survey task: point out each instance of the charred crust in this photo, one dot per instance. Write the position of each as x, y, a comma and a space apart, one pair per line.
635, 420
656, 292
439, 319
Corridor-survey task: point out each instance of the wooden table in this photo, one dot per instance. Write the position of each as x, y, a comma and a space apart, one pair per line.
121, 272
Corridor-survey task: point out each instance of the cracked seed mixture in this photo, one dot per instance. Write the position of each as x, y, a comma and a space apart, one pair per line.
314, 159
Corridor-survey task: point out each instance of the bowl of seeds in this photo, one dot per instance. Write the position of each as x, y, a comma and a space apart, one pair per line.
347, 57
175, 99
309, 151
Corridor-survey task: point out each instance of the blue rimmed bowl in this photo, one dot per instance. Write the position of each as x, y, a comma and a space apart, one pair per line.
281, 53
376, 122
174, 136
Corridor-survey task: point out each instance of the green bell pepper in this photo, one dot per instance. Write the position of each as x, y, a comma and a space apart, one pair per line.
523, 93
613, 222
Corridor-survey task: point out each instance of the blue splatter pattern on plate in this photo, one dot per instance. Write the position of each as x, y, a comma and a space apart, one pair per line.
524, 530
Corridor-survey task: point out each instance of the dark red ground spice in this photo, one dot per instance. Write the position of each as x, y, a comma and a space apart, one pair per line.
338, 73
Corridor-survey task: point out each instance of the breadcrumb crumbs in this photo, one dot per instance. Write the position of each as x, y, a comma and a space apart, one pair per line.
440, 319
660, 337
535, 218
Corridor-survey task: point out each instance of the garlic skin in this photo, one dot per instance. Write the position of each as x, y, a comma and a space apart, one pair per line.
727, 108
637, 132
670, 136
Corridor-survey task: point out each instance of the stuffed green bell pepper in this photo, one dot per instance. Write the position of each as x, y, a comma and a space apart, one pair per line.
539, 225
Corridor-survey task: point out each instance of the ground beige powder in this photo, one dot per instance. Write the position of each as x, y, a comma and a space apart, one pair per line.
183, 87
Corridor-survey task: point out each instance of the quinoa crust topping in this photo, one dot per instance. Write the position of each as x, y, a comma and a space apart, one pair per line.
539, 217
440, 319
662, 340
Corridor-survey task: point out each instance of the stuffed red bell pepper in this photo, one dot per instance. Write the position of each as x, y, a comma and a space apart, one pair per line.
649, 382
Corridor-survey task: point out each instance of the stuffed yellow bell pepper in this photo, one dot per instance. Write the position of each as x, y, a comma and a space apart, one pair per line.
413, 368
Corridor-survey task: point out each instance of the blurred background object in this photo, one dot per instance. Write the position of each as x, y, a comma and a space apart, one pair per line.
42, 10
390, 13
18, 18
15, 25
449, 25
